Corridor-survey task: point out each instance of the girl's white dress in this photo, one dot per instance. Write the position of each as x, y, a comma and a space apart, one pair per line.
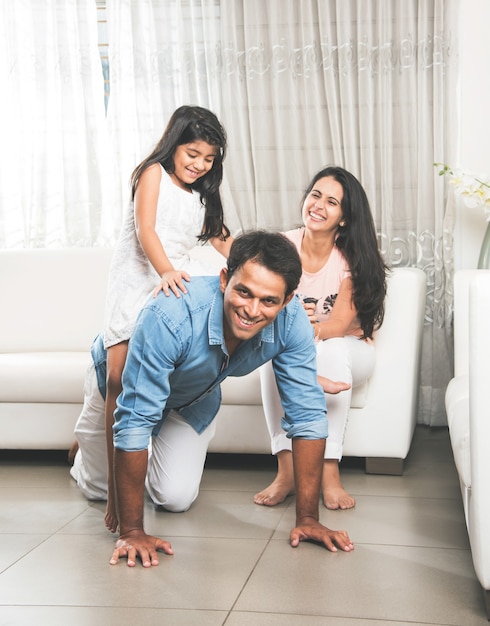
132, 278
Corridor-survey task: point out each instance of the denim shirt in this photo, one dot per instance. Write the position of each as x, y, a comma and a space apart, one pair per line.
177, 358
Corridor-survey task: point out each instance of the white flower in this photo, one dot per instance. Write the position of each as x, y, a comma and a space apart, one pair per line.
474, 189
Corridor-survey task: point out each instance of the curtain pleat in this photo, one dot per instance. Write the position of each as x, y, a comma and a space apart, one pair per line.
55, 157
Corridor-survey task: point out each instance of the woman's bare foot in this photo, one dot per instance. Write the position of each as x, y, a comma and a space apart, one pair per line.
283, 484
334, 495
337, 498
332, 386
275, 493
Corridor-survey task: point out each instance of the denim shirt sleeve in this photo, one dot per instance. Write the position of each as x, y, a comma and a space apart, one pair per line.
303, 399
145, 380
99, 357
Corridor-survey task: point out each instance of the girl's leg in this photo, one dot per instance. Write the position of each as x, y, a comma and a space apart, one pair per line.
116, 358
351, 360
283, 484
89, 468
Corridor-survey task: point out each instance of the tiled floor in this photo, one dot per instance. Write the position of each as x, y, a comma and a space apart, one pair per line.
233, 564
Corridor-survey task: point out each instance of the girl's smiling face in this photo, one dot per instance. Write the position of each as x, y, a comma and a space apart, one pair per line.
191, 162
322, 208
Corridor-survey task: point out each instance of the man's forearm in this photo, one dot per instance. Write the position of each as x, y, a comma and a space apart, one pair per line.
129, 474
308, 467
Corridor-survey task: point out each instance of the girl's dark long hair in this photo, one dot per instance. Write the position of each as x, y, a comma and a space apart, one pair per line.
358, 243
188, 124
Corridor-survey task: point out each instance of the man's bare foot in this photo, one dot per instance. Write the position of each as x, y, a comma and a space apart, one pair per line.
275, 493
332, 386
72, 452
337, 498
334, 495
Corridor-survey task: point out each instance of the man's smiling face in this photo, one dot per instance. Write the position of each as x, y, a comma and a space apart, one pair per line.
253, 297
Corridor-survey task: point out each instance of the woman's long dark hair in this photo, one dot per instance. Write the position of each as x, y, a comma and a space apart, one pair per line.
358, 243
188, 124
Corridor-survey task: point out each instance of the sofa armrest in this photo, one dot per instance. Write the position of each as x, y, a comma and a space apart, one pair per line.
384, 426
479, 398
462, 281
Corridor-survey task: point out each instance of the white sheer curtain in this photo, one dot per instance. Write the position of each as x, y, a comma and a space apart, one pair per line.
54, 163
162, 54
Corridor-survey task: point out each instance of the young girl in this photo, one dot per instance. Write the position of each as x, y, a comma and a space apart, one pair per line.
175, 202
343, 287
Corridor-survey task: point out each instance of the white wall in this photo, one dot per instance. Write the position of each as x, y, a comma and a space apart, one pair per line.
473, 147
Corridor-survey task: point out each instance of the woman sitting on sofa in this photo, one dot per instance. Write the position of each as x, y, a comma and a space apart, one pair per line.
343, 288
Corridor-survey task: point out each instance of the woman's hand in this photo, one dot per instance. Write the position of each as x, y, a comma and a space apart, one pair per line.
172, 281
310, 308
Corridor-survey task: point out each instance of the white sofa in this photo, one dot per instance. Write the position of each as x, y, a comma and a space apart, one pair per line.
468, 412
53, 308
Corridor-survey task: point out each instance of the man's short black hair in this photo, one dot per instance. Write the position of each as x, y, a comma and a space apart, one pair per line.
273, 251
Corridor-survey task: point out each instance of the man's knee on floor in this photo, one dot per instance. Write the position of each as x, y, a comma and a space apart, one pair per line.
175, 499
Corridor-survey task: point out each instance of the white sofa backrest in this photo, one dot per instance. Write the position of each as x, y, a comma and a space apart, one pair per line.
46, 290
209, 257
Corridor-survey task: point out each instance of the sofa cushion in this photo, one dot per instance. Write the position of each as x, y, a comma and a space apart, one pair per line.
242, 390
43, 376
458, 418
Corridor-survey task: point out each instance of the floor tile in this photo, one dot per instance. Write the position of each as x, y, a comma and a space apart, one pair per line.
214, 514
397, 583
218, 514
14, 547
429, 471
205, 574
89, 522
428, 480
394, 521
233, 564
246, 478
37, 510
240, 618
22, 472
103, 616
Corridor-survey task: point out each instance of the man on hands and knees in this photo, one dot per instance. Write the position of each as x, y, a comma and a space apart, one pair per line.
180, 352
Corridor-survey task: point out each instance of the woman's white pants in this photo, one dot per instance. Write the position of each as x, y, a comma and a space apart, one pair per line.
345, 359
176, 455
